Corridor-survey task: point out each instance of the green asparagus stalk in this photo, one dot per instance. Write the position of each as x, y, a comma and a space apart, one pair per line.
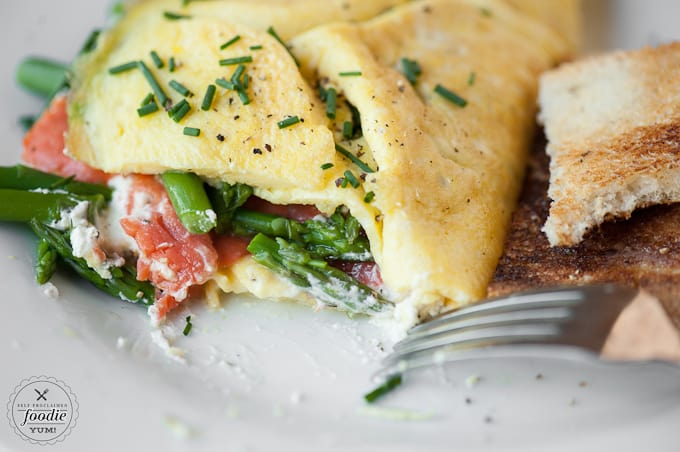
22, 206
41, 76
45, 262
190, 201
21, 177
327, 284
336, 238
225, 200
123, 284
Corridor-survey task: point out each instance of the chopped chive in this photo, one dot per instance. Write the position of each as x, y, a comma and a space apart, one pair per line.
225, 84
244, 97
323, 94
189, 325
230, 42
90, 43
192, 131
450, 96
147, 109
158, 91
388, 386
180, 110
177, 86
331, 102
246, 81
174, 16
292, 120
350, 74
276, 36
369, 197
256, 47
171, 64
123, 68
237, 60
147, 100
411, 69
157, 61
471, 79
354, 159
208, 98
348, 130
486, 12
352, 179
343, 182
236, 76
327, 166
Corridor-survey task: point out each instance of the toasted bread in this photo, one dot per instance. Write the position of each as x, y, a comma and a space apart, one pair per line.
613, 129
643, 251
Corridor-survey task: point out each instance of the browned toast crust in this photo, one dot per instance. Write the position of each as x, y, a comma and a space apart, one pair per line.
642, 251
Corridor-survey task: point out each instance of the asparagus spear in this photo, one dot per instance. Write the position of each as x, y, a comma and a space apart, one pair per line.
123, 284
225, 200
190, 201
327, 284
22, 206
41, 76
21, 177
335, 238
45, 262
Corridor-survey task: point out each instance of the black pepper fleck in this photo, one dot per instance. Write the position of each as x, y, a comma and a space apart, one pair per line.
220, 137
257, 151
268, 147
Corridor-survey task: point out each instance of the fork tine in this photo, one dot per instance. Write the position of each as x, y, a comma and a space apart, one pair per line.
478, 337
535, 299
514, 318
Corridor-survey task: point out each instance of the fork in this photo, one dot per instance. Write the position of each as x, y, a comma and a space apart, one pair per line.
574, 321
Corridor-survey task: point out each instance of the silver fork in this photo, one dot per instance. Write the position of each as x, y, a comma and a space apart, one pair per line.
574, 320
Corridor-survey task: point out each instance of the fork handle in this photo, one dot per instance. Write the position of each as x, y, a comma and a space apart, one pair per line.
643, 331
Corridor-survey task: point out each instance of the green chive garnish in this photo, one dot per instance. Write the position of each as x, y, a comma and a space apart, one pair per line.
276, 36
331, 102
369, 197
236, 76
246, 81
180, 110
472, 78
208, 98
348, 130
158, 91
450, 96
383, 389
237, 60
327, 166
156, 59
230, 42
187, 328
350, 74
123, 68
171, 64
177, 86
147, 109
147, 99
224, 84
244, 97
174, 16
292, 120
411, 69
352, 179
192, 132
256, 47
354, 159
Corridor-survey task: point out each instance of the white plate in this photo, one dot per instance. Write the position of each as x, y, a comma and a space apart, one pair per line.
261, 376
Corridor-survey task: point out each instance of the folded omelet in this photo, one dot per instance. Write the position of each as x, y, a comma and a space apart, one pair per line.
447, 152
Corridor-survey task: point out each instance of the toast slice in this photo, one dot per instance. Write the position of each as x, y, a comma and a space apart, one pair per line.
613, 129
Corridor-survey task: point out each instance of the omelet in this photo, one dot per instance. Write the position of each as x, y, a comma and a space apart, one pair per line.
442, 150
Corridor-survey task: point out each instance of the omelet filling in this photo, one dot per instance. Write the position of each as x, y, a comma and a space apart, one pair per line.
408, 132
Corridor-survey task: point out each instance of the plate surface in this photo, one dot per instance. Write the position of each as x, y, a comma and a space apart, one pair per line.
260, 376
